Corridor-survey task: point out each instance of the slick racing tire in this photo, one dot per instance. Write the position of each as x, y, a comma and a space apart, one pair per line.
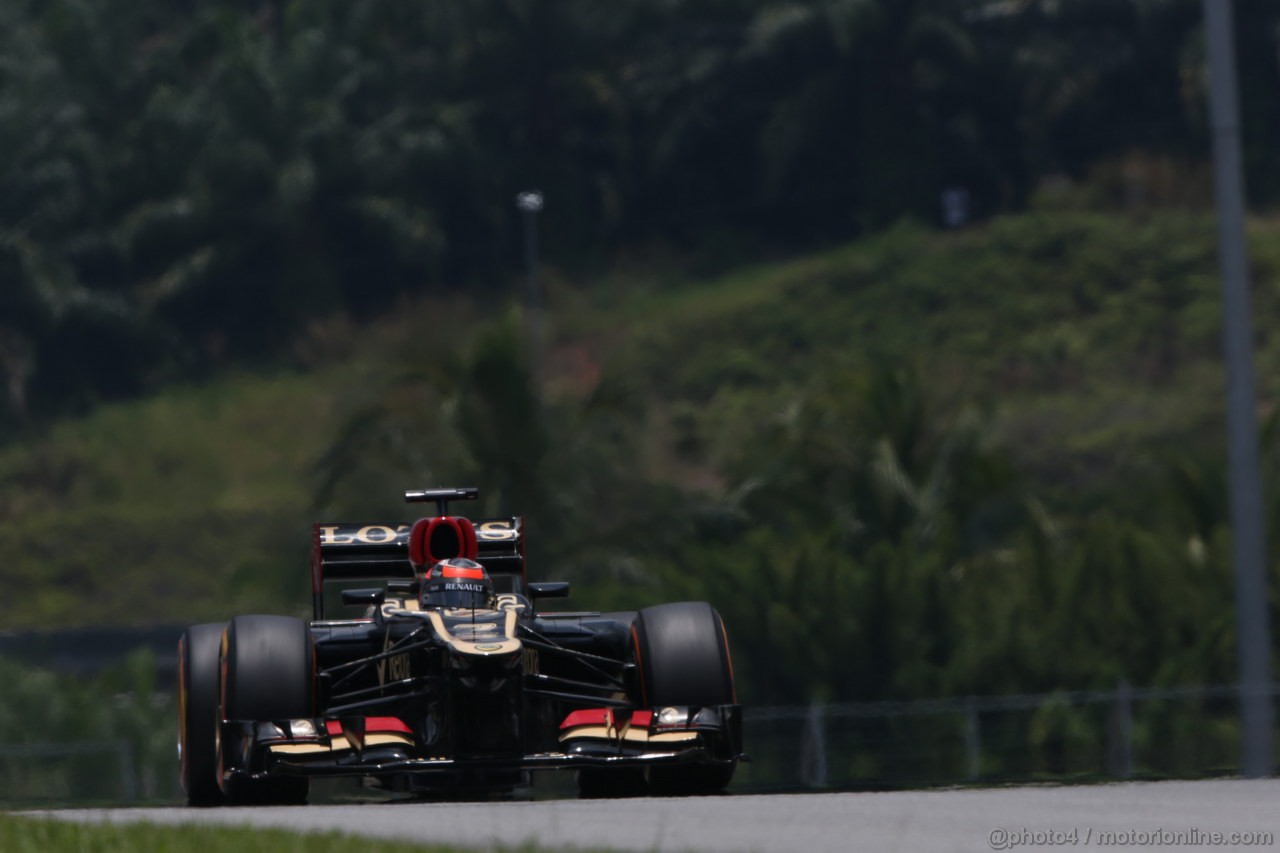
268, 673
683, 657
198, 713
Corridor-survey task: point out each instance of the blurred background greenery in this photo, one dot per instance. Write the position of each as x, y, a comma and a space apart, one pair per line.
260, 265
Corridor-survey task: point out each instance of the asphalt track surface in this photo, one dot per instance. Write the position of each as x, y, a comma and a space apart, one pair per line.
1143, 816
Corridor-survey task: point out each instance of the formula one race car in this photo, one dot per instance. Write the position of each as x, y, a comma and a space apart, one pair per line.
447, 679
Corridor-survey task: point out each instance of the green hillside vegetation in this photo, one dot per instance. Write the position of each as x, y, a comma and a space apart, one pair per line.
171, 508
924, 463
1083, 334
259, 264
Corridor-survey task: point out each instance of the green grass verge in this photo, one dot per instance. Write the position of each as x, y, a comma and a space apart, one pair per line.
31, 835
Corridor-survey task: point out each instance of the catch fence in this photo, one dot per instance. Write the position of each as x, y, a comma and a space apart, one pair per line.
1123, 733
1126, 732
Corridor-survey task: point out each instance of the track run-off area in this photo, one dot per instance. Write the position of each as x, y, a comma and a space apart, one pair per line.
1220, 814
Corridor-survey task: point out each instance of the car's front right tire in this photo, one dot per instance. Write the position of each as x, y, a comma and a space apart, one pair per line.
198, 713
268, 673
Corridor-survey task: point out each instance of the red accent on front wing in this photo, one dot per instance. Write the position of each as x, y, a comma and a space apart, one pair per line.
600, 717
372, 725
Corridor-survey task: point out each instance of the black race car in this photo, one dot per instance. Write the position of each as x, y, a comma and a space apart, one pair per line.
448, 679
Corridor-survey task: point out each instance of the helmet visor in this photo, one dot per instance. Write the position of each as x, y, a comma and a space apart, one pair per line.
458, 594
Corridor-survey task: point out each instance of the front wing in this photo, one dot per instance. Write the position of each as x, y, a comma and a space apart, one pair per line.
374, 746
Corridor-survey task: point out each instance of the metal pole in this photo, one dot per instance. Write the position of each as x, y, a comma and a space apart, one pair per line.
530, 204
972, 740
1122, 731
128, 778
1248, 548
531, 258
813, 750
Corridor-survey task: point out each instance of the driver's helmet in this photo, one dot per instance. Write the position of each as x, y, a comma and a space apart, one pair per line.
457, 583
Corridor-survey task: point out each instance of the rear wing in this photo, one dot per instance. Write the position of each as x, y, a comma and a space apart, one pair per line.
380, 551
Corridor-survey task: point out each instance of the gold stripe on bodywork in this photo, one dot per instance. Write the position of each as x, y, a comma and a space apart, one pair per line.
381, 739
634, 735
505, 645
298, 748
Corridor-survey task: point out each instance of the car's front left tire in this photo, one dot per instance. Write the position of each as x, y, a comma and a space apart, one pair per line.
683, 656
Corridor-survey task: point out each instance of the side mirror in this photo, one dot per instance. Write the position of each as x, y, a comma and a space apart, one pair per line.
403, 587
372, 597
549, 589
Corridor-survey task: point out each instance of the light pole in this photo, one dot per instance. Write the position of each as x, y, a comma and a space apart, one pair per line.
1248, 552
529, 203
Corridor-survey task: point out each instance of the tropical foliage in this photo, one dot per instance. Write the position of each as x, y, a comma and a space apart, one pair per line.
187, 185
916, 464
106, 737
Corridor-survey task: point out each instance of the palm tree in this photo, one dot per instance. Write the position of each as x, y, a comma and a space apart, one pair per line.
294, 201
69, 329
874, 456
817, 117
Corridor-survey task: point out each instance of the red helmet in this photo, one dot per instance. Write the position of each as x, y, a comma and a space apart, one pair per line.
457, 583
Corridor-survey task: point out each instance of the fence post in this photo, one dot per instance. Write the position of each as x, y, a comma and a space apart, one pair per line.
813, 752
1122, 731
972, 739
128, 779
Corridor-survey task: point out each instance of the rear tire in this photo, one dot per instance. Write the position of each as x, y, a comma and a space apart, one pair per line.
198, 713
268, 673
683, 657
